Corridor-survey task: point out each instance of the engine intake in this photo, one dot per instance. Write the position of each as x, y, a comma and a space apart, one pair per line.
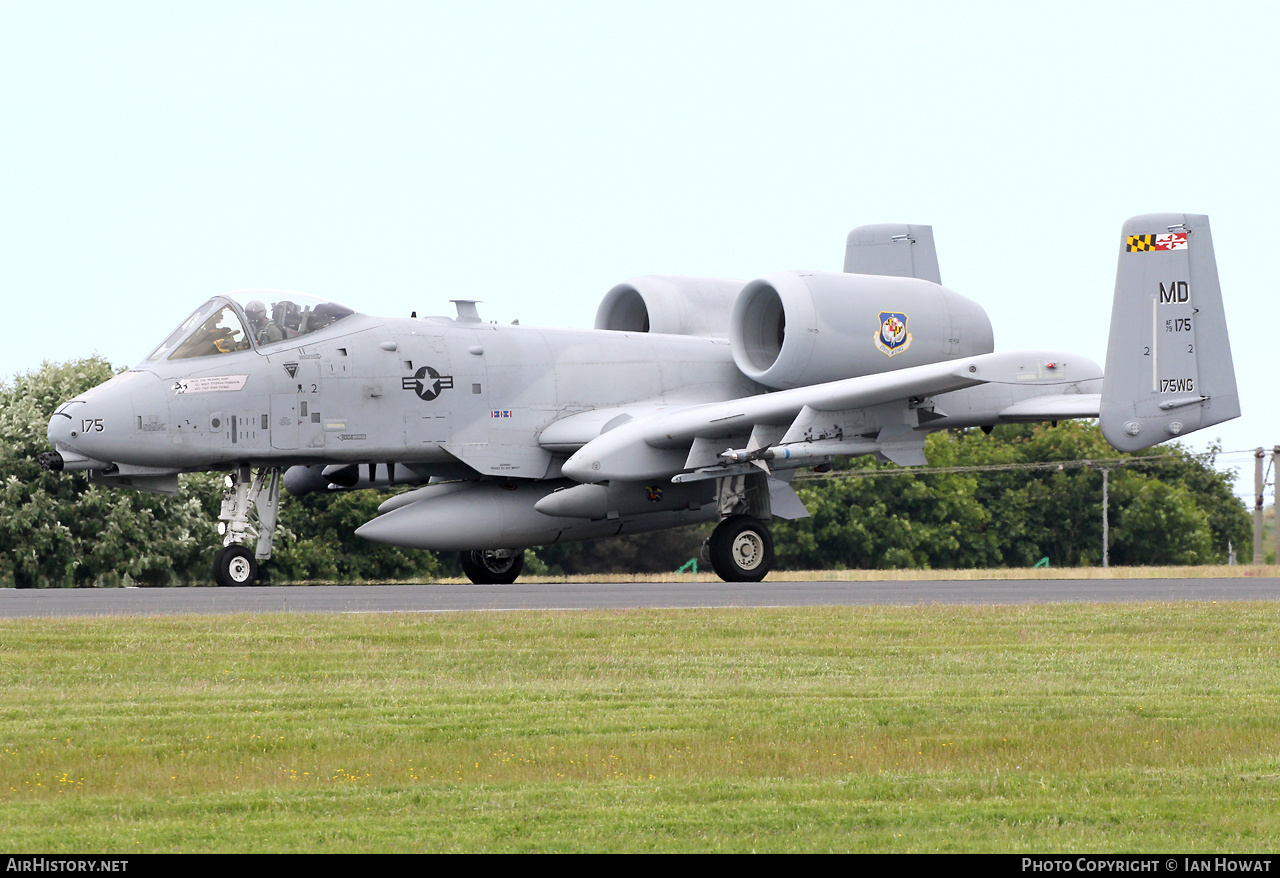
793, 329
670, 305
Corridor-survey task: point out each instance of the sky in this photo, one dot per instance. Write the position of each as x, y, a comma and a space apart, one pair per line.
392, 156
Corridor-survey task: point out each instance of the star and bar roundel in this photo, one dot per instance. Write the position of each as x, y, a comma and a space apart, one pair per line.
1145, 243
427, 383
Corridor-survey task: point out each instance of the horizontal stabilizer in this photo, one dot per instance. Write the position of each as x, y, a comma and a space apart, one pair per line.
1057, 407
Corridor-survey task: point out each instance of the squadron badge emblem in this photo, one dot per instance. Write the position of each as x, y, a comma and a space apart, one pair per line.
893, 337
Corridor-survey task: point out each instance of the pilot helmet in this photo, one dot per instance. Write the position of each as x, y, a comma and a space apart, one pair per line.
256, 311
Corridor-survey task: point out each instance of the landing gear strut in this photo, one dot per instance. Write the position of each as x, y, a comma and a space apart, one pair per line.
250, 505
492, 566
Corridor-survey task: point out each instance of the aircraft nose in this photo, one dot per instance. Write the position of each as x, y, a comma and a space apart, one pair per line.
86, 431
59, 434
66, 456
59, 429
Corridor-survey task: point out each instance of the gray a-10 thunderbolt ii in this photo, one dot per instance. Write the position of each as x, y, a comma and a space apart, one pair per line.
692, 400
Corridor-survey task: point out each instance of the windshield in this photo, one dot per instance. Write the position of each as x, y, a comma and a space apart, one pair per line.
239, 320
221, 333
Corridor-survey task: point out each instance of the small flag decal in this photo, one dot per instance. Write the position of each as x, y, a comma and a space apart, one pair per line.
1144, 243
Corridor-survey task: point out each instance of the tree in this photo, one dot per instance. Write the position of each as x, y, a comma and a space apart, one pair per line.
1159, 523
315, 539
1167, 506
888, 522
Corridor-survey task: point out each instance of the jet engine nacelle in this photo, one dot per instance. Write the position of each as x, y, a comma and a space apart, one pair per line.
797, 328
670, 305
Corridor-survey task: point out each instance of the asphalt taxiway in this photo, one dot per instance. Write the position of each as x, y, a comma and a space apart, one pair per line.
443, 598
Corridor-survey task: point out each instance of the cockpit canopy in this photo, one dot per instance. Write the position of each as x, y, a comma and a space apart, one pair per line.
246, 319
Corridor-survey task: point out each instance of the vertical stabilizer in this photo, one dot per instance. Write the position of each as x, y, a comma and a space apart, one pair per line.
1169, 368
894, 249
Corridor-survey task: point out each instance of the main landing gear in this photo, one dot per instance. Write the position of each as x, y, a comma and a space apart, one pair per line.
492, 566
741, 548
250, 505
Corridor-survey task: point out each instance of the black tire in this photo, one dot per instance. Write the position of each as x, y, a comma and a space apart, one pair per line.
741, 549
235, 566
485, 569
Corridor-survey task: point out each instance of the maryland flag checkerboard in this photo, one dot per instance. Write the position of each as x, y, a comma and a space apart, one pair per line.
1171, 241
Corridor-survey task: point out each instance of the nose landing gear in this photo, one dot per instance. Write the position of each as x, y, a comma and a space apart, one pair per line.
250, 505
233, 566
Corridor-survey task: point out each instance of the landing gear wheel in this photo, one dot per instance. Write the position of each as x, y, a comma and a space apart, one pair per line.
233, 566
485, 568
741, 549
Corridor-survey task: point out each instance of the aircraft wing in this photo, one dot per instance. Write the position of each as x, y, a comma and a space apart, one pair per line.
869, 414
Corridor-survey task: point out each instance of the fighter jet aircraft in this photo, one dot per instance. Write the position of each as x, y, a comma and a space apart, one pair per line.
692, 400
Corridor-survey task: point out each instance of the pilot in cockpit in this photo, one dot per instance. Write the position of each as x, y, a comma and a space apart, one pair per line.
264, 330
324, 314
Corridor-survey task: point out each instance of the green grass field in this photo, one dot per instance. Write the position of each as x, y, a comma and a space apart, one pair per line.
1043, 728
